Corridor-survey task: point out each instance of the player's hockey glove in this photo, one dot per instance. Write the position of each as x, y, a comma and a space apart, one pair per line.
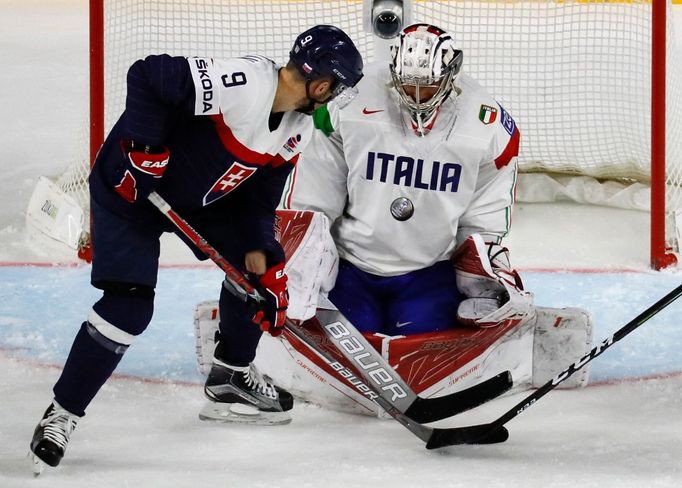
270, 314
493, 290
142, 169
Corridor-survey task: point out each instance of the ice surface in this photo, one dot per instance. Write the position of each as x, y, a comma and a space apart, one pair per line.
143, 431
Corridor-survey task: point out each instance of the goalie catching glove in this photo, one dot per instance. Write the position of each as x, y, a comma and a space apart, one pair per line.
270, 314
493, 290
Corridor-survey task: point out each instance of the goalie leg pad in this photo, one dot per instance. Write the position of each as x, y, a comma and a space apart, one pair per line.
205, 330
562, 336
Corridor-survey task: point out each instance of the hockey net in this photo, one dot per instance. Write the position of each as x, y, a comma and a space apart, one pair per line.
576, 75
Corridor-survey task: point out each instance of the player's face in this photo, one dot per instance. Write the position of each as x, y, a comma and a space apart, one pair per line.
420, 93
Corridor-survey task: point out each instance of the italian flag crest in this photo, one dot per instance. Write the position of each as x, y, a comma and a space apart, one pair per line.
487, 114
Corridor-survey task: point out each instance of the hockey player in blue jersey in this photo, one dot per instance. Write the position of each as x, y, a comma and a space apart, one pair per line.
217, 140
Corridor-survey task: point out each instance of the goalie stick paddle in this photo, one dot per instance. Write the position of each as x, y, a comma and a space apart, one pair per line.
345, 337
496, 432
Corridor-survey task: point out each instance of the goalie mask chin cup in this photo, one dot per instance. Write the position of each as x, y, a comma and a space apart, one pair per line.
326, 51
424, 56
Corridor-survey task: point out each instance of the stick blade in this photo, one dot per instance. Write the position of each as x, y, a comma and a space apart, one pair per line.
475, 434
425, 410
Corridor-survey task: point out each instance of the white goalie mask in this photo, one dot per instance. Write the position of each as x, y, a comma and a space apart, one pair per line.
424, 66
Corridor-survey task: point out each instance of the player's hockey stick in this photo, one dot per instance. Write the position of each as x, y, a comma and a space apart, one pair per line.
397, 397
496, 432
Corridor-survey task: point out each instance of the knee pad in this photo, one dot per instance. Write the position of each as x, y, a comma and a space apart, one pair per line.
123, 312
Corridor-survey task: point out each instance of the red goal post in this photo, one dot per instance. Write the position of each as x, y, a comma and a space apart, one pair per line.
585, 80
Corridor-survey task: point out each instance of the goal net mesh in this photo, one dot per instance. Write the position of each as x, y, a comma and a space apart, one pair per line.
575, 75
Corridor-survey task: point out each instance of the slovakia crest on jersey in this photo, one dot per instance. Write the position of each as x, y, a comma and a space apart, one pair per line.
487, 114
233, 177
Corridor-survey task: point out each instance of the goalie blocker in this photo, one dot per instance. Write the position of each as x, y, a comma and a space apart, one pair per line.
432, 364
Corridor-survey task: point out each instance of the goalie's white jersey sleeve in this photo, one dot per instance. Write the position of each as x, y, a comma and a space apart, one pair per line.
400, 202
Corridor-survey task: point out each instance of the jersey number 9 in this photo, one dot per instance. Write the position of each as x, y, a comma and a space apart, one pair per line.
235, 79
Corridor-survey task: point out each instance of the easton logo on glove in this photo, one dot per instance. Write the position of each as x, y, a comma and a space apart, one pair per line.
144, 167
151, 163
270, 315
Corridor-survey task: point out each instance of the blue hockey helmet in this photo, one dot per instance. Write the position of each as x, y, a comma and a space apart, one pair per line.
325, 50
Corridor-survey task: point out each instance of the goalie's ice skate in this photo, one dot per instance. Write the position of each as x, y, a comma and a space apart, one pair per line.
51, 436
241, 394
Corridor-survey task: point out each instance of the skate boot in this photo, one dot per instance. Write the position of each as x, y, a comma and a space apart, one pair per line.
242, 394
51, 437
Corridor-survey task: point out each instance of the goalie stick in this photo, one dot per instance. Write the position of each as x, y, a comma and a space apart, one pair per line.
379, 374
496, 432
392, 393
467, 399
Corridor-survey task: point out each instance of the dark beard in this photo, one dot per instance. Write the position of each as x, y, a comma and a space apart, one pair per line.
308, 109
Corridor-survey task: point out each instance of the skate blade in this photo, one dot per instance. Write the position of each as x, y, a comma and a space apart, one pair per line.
37, 465
242, 414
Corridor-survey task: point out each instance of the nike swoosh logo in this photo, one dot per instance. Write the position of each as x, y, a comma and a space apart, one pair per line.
370, 112
401, 324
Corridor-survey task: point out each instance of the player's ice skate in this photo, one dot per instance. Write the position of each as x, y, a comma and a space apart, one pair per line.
50, 437
242, 394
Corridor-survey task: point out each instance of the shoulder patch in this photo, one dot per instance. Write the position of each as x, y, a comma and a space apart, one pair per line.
323, 121
487, 114
507, 121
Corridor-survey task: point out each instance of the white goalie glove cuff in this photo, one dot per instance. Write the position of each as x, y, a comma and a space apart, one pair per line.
493, 290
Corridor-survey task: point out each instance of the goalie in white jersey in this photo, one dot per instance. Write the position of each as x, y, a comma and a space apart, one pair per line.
417, 177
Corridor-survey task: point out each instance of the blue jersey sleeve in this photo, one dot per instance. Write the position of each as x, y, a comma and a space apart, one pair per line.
159, 87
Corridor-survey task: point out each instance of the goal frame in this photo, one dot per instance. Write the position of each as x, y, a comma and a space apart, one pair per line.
660, 257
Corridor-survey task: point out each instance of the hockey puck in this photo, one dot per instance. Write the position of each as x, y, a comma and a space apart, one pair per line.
402, 209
